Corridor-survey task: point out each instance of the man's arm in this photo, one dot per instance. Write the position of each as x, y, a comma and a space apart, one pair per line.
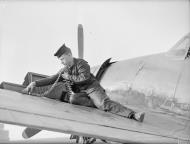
83, 73
38, 83
50, 80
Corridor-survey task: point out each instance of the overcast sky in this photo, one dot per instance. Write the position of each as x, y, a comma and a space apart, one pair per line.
30, 32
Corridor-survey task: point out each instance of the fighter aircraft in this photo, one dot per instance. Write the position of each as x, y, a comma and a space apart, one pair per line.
158, 84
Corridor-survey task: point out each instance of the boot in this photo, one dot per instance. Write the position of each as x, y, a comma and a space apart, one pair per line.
88, 140
139, 116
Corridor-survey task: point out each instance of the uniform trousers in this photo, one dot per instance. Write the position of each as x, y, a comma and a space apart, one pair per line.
95, 98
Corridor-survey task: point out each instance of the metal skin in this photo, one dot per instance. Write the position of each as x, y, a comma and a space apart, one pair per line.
160, 81
158, 84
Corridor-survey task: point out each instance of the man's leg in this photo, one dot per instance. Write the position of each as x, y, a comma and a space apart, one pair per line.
81, 99
103, 102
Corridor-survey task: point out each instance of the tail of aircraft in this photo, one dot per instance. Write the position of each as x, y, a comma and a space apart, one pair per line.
181, 50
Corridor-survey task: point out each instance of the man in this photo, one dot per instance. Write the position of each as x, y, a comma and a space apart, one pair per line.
78, 72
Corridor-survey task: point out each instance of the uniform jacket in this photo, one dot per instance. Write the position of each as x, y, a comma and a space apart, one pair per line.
79, 74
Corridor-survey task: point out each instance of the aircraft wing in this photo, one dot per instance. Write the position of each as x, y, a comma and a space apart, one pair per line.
44, 113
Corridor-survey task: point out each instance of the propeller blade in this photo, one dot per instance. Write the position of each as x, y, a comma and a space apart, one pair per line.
80, 41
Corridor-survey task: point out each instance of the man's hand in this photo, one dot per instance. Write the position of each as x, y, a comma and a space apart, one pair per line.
65, 76
29, 88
